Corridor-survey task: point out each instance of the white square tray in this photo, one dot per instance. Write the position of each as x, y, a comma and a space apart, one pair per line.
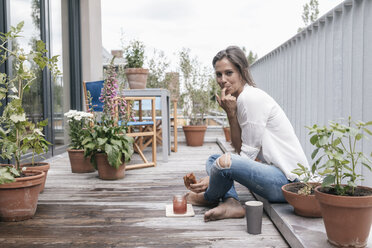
169, 211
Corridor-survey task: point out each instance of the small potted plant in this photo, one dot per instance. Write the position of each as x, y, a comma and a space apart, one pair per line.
79, 123
301, 195
195, 99
346, 207
19, 188
107, 145
134, 55
36, 142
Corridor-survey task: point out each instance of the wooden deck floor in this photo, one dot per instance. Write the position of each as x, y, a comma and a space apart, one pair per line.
80, 210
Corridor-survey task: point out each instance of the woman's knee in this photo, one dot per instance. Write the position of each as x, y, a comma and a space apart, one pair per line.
224, 161
212, 158
210, 161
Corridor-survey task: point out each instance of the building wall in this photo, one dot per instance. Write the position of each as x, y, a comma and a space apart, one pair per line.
324, 72
91, 40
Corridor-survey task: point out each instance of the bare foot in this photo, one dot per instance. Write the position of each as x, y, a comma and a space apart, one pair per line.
197, 199
230, 208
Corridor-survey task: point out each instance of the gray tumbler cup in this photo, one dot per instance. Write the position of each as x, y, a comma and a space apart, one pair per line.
253, 215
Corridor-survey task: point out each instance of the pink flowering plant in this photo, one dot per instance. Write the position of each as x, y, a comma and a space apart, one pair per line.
114, 107
109, 135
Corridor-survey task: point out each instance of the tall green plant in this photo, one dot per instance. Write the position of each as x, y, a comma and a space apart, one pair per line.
336, 154
196, 97
17, 133
158, 66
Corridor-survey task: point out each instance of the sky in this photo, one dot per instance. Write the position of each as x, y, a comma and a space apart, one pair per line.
203, 26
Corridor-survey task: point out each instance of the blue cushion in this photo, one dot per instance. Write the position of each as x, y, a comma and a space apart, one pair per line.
146, 118
137, 123
95, 88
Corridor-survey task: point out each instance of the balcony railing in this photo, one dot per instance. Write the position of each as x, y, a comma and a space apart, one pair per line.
324, 72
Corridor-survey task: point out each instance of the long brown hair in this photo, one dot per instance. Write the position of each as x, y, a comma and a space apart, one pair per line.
237, 57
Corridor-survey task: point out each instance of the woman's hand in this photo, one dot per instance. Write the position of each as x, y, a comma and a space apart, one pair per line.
201, 186
227, 102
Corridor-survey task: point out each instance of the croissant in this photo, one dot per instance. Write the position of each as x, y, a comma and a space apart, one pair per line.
189, 179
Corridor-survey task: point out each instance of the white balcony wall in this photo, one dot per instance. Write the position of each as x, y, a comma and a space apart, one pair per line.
324, 72
91, 40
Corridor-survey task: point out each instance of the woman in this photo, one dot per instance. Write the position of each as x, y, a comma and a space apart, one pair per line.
266, 145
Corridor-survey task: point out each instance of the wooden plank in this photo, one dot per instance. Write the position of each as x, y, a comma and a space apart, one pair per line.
80, 210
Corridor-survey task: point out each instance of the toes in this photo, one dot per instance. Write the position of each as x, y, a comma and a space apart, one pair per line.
208, 216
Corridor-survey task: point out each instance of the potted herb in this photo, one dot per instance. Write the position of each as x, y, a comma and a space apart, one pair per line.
346, 207
107, 145
19, 189
195, 99
134, 55
301, 195
79, 123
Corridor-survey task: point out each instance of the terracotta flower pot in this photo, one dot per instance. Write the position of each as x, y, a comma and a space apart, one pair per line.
79, 163
194, 135
39, 166
18, 200
226, 130
106, 171
137, 77
304, 205
347, 219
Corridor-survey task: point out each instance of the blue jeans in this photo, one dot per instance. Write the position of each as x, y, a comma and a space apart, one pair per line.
264, 180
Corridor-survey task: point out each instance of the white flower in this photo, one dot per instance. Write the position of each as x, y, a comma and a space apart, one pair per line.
38, 131
78, 115
87, 115
70, 113
18, 118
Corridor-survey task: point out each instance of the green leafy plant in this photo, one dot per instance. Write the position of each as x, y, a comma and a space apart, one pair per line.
35, 140
79, 123
196, 99
336, 154
308, 178
134, 54
106, 136
17, 133
110, 139
7, 174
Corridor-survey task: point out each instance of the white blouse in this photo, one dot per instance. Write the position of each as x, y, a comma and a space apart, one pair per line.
267, 133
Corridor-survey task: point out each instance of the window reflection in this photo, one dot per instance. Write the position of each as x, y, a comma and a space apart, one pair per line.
29, 12
57, 84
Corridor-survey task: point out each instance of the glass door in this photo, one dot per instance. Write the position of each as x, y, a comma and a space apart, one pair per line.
60, 99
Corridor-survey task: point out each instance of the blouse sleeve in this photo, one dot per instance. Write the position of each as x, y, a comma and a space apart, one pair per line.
253, 114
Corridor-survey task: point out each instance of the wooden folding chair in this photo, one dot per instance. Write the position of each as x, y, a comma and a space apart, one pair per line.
139, 130
146, 141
